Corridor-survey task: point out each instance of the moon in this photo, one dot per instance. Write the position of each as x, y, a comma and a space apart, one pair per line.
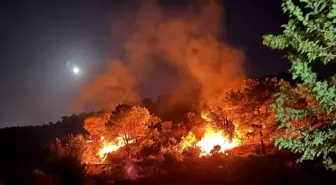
75, 70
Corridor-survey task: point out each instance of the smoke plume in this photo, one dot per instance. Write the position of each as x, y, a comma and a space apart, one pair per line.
109, 89
187, 39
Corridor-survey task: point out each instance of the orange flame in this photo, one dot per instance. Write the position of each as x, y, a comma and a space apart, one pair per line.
206, 117
213, 138
210, 139
109, 147
94, 155
188, 141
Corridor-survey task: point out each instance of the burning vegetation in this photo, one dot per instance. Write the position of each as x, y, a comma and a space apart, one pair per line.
134, 138
226, 111
187, 42
131, 132
140, 143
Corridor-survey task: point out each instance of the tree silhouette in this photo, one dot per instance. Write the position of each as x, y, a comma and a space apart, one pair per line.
64, 160
250, 107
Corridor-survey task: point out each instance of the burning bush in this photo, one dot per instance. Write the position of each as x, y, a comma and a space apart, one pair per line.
211, 139
132, 132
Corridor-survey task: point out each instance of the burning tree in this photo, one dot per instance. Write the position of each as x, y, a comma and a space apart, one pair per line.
96, 125
250, 107
220, 120
131, 123
127, 126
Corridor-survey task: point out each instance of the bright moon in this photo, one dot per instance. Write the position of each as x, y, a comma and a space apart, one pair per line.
75, 70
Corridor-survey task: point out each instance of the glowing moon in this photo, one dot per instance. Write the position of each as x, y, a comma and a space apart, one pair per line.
75, 70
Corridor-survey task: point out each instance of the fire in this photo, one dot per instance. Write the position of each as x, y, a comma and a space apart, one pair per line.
210, 139
213, 138
109, 147
98, 151
188, 141
206, 117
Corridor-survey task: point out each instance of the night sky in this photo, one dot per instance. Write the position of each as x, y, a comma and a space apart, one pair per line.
41, 40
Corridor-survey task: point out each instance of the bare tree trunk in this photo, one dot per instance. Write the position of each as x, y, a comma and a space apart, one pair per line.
128, 148
262, 145
261, 135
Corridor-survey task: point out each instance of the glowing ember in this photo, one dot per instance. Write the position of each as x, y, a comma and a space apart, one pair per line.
213, 138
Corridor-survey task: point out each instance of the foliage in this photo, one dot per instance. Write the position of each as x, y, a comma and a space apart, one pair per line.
64, 160
131, 123
311, 36
170, 156
249, 107
95, 125
166, 126
191, 152
221, 121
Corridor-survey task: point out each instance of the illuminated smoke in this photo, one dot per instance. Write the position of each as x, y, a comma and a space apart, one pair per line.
187, 39
109, 89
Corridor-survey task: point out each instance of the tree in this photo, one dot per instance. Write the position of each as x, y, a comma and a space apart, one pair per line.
219, 119
64, 160
131, 123
96, 125
310, 35
249, 106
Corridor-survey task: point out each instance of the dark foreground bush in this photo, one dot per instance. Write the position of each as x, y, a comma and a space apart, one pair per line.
64, 162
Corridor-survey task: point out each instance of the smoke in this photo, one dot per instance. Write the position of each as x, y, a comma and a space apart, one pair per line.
187, 39
109, 89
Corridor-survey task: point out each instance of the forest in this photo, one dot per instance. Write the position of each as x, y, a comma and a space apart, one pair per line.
275, 129
135, 145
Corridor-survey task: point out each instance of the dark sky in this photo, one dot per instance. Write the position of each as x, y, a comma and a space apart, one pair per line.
40, 38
